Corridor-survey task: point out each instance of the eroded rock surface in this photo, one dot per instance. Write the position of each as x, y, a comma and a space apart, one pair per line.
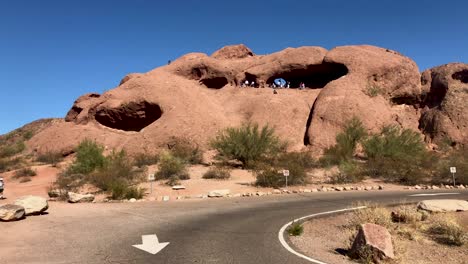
197, 95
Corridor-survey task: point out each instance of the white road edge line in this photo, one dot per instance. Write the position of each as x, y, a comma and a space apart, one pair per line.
287, 247
431, 194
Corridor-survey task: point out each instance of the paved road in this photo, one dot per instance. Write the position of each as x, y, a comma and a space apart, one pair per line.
242, 230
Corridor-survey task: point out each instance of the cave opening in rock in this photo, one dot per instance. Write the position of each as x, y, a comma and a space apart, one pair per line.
313, 76
133, 116
462, 76
214, 82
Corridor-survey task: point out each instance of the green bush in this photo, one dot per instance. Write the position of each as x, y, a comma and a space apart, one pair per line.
186, 151
295, 229
50, 157
119, 190
12, 149
247, 143
28, 135
346, 143
89, 157
302, 159
116, 167
458, 159
217, 173
145, 159
349, 172
25, 172
397, 155
172, 168
273, 176
373, 90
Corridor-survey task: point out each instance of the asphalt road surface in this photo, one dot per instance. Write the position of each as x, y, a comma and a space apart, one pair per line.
236, 230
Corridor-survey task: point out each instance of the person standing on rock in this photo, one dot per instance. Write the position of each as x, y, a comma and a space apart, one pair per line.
2, 186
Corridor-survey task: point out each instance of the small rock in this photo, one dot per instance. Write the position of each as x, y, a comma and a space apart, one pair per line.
339, 189
443, 205
165, 198
374, 239
417, 187
307, 190
276, 191
435, 187
219, 193
358, 188
295, 191
179, 197
314, 190
260, 193
178, 187
269, 193
368, 188
80, 198
132, 200
11, 212
324, 189
381, 187
237, 195
348, 188
461, 186
447, 186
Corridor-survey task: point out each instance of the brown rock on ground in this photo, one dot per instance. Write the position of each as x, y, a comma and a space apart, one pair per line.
197, 95
372, 241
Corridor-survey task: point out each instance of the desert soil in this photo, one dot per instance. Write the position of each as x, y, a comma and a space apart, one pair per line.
324, 238
241, 181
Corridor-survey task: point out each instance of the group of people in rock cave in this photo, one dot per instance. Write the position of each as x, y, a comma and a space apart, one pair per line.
286, 85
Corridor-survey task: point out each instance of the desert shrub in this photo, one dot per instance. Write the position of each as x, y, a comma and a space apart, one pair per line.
25, 179
172, 169
25, 172
456, 158
397, 155
7, 164
50, 157
67, 181
373, 90
346, 143
349, 172
272, 176
295, 229
247, 143
446, 230
186, 151
89, 157
117, 167
217, 173
120, 189
302, 159
145, 159
407, 214
373, 214
12, 149
28, 135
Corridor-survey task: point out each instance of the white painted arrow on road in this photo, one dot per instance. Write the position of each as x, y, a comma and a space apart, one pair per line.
151, 244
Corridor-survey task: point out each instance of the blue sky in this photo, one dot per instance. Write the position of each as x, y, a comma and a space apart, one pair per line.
51, 52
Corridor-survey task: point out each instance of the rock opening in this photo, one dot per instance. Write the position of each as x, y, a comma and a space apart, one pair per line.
313, 76
132, 116
215, 82
462, 76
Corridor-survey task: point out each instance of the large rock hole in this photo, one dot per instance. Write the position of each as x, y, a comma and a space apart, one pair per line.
313, 76
132, 116
462, 76
214, 82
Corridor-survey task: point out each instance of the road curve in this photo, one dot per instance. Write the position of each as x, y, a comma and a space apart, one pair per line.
237, 230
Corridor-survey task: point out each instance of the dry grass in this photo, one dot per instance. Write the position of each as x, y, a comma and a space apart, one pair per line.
446, 229
373, 213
